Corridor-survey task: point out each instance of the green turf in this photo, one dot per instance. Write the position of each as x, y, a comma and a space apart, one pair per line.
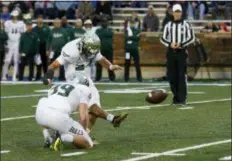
154, 130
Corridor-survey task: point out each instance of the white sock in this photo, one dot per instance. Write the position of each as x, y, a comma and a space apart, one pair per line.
67, 138
110, 117
15, 70
47, 135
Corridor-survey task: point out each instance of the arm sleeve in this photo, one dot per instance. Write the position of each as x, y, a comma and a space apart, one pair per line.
164, 39
190, 36
98, 56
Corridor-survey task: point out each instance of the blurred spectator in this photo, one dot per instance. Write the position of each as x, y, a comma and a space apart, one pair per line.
138, 4
3, 44
88, 26
14, 28
106, 36
39, 8
151, 20
194, 6
85, 10
43, 31
50, 10
228, 9
78, 31
20, 6
103, 9
132, 38
5, 15
134, 18
223, 28
117, 4
210, 27
28, 48
58, 37
168, 17
66, 26
63, 7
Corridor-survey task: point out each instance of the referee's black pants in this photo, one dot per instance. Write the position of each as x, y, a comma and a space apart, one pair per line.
176, 73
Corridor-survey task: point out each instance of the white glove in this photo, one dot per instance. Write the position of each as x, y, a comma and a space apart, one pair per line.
38, 59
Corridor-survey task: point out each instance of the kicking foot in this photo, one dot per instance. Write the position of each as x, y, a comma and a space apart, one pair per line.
118, 119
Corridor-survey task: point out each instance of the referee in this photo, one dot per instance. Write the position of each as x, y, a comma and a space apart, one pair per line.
177, 36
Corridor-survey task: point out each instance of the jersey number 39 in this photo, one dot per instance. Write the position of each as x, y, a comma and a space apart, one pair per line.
62, 90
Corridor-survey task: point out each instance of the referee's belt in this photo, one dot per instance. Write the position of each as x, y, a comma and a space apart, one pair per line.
177, 50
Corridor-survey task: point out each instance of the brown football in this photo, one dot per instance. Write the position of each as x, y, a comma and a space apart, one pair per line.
156, 96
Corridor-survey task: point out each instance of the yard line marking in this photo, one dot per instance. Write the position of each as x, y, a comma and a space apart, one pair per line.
72, 154
186, 108
226, 158
5, 151
22, 96
17, 118
129, 108
125, 91
156, 155
121, 83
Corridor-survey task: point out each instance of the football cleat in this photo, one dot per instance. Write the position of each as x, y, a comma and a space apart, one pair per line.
57, 144
118, 119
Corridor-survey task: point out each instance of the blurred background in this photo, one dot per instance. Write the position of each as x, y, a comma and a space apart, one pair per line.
209, 57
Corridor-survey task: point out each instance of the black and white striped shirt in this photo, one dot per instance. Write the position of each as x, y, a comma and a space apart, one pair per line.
180, 32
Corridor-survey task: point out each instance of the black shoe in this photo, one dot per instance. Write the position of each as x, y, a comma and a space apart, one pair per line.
119, 119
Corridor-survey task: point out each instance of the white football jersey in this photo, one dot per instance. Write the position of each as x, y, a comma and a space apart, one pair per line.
14, 30
67, 97
72, 60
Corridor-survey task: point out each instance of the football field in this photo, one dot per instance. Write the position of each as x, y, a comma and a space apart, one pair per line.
199, 132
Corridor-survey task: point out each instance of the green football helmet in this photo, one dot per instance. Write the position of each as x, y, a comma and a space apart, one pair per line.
90, 45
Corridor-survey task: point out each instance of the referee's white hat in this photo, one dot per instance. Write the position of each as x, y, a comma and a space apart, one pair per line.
176, 7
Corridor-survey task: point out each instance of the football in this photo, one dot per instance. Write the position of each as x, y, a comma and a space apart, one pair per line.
156, 96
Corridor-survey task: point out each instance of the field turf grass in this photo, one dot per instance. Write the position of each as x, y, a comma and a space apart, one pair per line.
153, 129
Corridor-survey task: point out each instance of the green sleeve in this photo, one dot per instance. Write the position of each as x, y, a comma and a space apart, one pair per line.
21, 44
37, 44
49, 40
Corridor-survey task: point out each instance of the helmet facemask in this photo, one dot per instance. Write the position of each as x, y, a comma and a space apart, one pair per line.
90, 46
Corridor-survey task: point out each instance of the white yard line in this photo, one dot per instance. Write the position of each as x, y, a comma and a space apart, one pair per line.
128, 108
156, 155
186, 108
22, 96
72, 154
226, 158
123, 84
5, 151
104, 91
